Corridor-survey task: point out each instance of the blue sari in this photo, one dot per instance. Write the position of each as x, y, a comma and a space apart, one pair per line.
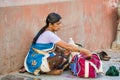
34, 60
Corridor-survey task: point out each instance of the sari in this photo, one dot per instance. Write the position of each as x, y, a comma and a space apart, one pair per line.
36, 59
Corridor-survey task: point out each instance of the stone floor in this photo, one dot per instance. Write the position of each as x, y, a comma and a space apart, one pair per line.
115, 60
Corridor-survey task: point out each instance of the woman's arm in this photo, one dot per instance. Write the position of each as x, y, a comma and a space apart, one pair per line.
73, 48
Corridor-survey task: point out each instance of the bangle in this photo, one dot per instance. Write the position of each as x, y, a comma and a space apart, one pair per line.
78, 50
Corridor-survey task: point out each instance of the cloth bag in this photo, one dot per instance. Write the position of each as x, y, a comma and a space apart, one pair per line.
86, 68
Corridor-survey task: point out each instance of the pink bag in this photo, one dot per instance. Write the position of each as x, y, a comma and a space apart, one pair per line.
86, 68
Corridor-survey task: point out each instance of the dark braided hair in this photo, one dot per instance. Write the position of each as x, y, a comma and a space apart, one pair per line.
51, 18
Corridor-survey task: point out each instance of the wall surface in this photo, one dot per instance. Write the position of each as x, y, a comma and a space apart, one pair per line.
89, 22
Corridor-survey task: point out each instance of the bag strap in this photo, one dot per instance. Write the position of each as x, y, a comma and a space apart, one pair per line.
86, 68
94, 66
96, 69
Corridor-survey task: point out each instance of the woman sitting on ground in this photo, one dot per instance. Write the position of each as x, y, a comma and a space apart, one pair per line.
41, 58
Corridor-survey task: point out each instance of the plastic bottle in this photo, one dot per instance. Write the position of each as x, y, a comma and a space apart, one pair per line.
71, 41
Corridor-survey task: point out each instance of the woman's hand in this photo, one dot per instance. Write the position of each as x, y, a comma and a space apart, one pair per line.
86, 52
88, 56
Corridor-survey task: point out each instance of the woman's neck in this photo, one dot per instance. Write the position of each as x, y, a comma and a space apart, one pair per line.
48, 29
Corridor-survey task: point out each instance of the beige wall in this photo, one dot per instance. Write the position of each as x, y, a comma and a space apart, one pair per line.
89, 22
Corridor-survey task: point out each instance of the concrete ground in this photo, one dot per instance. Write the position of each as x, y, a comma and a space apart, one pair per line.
115, 60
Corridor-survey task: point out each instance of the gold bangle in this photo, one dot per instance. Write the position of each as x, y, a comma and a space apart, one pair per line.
78, 50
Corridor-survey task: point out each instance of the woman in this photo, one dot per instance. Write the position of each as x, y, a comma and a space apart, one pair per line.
41, 57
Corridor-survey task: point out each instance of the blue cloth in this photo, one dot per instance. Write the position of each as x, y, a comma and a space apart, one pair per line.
34, 60
73, 66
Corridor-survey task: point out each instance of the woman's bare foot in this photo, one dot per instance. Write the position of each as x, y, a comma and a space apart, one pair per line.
55, 72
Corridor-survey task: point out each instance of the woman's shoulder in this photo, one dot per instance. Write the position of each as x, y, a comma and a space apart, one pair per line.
48, 32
